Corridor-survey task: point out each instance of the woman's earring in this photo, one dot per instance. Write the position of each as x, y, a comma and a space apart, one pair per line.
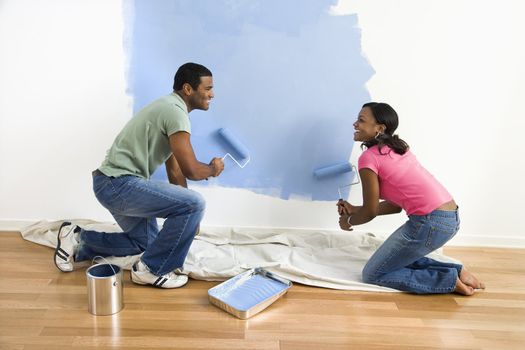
378, 135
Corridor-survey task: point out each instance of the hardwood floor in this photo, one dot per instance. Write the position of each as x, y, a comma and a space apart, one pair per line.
42, 308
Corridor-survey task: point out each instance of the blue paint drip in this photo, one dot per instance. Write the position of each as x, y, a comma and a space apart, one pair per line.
289, 80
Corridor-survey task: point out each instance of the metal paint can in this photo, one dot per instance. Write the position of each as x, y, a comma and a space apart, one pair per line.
104, 289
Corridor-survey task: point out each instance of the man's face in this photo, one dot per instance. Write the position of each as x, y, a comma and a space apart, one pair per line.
200, 98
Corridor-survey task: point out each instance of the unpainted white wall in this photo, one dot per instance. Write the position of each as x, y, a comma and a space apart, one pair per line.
452, 69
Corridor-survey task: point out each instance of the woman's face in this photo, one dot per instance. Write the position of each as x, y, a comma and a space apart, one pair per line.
366, 126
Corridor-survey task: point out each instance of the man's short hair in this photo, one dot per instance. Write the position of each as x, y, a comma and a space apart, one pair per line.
190, 73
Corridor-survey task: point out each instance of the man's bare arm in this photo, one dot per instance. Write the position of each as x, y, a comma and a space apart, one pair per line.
190, 167
174, 172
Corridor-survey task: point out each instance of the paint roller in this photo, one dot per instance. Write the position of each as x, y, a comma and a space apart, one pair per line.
238, 148
334, 170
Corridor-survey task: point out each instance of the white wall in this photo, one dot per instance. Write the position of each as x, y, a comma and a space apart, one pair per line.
62, 99
452, 69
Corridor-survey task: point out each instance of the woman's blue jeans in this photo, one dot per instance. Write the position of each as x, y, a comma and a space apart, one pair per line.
135, 203
400, 262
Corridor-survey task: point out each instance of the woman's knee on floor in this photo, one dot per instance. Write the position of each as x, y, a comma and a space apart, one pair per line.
369, 275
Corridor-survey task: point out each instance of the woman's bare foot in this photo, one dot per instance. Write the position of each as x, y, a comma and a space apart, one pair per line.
469, 279
463, 289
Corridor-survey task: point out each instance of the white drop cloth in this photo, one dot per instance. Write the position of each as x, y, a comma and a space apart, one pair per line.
330, 259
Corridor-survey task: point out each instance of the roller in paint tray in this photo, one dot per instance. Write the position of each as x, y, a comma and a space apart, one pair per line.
334, 170
237, 147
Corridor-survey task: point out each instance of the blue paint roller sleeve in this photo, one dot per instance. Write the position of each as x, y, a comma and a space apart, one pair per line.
333, 170
239, 148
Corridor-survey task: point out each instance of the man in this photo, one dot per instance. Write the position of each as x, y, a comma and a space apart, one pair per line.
159, 133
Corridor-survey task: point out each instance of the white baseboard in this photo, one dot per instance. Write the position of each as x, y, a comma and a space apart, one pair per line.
467, 240
14, 225
461, 240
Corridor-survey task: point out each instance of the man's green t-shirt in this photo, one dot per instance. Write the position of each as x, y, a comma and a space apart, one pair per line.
143, 144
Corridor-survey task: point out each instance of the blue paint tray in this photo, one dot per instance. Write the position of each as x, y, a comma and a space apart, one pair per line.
248, 293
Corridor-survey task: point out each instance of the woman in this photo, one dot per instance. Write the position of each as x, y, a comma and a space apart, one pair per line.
391, 172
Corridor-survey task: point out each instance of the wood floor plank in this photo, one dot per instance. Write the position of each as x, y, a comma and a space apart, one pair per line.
43, 308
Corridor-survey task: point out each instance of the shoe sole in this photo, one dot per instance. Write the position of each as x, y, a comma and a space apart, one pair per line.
58, 251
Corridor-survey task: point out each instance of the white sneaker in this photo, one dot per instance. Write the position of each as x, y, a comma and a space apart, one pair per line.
141, 275
67, 245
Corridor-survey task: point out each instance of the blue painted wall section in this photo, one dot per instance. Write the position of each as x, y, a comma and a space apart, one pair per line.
289, 81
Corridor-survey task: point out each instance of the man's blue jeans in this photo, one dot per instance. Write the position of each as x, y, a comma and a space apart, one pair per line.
135, 203
400, 262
